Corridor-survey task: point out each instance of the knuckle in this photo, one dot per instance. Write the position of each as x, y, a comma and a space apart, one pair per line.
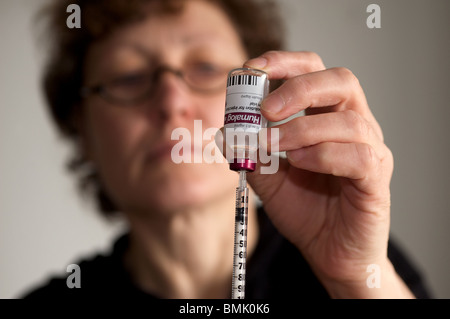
347, 75
311, 55
314, 59
367, 157
358, 124
389, 155
388, 160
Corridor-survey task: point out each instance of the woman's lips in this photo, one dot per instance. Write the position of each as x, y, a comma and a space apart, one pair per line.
160, 152
164, 151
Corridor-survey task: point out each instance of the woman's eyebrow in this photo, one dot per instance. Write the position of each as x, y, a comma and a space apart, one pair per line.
142, 50
190, 40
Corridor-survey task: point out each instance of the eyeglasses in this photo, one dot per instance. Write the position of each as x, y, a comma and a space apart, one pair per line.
204, 78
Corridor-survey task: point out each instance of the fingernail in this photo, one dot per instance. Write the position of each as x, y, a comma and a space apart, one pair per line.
256, 63
273, 103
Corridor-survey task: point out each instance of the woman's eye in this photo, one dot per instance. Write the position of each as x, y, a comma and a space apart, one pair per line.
132, 79
206, 68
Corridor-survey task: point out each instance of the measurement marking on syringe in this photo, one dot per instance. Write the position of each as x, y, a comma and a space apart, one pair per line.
240, 239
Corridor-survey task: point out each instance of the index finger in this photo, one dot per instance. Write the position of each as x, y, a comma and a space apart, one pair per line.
285, 65
333, 90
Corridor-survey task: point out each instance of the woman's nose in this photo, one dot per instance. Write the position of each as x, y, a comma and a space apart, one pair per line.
171, 96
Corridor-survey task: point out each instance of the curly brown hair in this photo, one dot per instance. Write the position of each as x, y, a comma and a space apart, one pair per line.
257, 22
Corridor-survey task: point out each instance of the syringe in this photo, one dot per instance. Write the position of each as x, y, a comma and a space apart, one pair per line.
240, 238
243, 120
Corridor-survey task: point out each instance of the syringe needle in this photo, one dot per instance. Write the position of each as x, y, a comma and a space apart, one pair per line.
242, 179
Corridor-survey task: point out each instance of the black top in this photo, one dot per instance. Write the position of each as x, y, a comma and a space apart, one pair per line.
275, 270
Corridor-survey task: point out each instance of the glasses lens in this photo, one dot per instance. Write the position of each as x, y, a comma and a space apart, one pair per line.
130, 87
205, 77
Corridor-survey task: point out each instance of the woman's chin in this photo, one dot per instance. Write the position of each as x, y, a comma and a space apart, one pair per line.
185, 191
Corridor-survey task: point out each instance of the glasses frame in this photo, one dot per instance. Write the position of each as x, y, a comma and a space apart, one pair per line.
102, 89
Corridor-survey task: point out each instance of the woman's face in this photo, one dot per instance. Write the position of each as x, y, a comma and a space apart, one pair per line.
131, 144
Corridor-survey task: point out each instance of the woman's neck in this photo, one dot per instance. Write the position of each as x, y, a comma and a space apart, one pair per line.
189, 254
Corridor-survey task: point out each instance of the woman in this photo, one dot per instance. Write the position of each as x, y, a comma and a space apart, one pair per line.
136, 71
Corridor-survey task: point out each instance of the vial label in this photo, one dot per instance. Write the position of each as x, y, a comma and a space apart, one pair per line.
242, 107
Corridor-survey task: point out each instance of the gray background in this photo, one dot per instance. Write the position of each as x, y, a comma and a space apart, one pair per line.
403, 68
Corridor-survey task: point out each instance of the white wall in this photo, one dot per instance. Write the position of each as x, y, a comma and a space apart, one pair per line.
44, 226
403, 67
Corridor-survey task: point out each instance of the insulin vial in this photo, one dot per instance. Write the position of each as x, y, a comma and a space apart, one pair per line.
246, 88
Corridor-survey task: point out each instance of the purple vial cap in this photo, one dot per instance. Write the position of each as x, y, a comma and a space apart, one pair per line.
240, 164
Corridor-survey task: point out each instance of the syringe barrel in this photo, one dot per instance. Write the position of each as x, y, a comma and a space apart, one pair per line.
240, 243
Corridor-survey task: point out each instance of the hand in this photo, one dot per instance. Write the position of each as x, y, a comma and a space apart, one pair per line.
331, 196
